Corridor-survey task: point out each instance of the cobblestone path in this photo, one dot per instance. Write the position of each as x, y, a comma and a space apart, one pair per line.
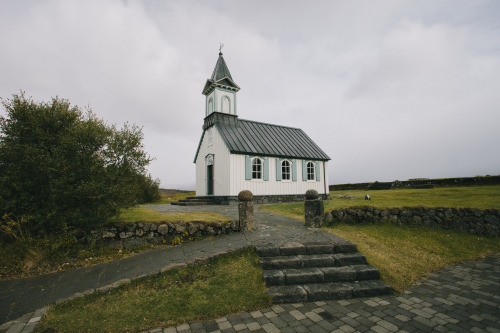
461, 298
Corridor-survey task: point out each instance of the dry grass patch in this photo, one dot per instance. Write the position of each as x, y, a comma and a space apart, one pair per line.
169, 198
143, 214
406, 255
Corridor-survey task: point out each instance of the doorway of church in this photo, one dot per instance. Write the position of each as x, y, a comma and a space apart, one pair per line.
210, 180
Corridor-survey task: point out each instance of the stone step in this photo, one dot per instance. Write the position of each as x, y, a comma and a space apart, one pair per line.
292, 249
313, 292
290, 276
188, 203
312, 260
197, 201
300, 272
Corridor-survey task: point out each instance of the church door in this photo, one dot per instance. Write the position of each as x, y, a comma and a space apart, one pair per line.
209, 159
210, 180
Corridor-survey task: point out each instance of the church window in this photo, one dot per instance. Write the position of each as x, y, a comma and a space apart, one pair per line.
311, 171
225, 105
285, 170
210, 108
256, 168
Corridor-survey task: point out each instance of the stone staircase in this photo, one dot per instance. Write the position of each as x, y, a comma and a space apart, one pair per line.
309, 272
198, 201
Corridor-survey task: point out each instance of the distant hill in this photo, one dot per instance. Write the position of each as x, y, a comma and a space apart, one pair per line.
171, 191
420, 183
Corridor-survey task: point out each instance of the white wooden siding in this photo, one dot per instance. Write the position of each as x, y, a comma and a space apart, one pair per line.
221, 165
272, 186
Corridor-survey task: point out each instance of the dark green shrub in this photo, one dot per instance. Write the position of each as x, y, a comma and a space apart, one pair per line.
62, 169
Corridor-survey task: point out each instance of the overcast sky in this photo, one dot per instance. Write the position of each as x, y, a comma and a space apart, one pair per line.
388, 89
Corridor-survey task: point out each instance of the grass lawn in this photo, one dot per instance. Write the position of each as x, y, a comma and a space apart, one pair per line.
231, 284
144, 214
481, 197
406, 255
234, 283
169, 198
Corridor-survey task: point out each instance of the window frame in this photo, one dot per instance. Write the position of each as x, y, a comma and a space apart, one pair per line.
225, 101
311, 171
210, 105
286, 175
257, 174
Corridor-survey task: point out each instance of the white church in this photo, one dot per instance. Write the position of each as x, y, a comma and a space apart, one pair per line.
276, 163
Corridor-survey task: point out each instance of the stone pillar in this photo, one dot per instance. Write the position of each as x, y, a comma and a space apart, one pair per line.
314, 209
245, 208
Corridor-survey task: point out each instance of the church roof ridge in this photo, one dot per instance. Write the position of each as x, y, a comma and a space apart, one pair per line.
269, 124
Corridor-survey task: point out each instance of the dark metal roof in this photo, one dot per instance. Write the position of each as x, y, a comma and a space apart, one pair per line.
255, 138
220, 77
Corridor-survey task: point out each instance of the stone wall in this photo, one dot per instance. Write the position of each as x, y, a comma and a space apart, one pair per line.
127, 235
474, 221
420, 183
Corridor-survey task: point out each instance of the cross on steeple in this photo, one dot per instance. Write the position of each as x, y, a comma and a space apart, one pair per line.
220, 48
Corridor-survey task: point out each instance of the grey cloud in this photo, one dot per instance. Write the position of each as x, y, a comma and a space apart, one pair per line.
393, 89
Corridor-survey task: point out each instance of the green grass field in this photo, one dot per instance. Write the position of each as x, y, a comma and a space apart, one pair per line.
405, 255
231, 284
481, 197
234, 283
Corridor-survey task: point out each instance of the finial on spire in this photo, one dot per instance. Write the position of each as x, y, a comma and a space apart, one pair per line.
220, 48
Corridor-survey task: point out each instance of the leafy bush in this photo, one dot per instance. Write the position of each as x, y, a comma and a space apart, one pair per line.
146, 189
62, 169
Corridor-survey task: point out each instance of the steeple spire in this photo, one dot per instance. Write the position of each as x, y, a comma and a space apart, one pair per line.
221, 71
221, 76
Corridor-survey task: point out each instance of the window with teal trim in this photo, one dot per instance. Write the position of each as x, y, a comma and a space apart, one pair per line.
225, 105
311, 171
256, 168
210, 108
285, 170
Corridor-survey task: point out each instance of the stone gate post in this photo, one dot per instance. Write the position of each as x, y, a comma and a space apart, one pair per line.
245, 208
314, 209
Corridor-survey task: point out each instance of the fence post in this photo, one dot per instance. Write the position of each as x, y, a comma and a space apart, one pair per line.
314, 209
245, 207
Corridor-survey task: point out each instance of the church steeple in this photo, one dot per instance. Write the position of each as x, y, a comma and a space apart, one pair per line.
221, 71
220, 90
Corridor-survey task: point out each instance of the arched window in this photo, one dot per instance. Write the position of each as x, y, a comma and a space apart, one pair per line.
225, 105
285, 170
210, 107
256, 168
311, 168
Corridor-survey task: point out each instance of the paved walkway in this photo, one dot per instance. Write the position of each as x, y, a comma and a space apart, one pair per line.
461, 298
21, 296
